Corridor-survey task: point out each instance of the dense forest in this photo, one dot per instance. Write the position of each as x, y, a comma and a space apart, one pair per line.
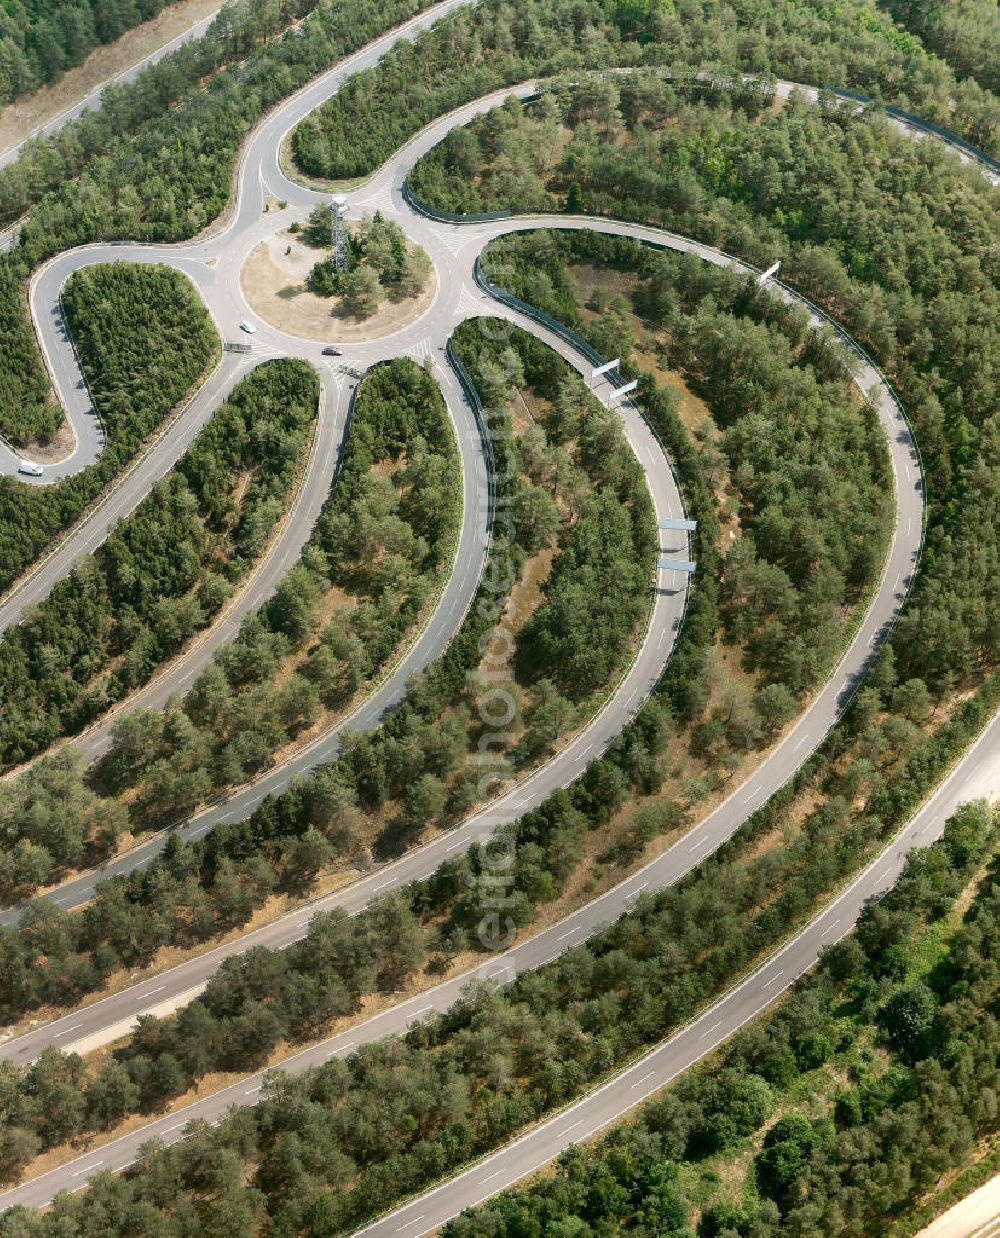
830, 1115
807, 493
155, 161
419, 769
371, 567
41, 39
966, 34
144, 338
326, 1149
901, 255
731, 933
167, 569
265, 998
879, 759
499, 43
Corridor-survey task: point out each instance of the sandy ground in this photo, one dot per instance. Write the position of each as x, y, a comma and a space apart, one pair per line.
977, 1215
25, 115
274, 285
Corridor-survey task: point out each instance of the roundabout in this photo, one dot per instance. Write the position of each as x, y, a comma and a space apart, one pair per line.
275, 281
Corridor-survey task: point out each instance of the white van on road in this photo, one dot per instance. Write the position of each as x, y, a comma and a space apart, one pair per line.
248, 327
30, 468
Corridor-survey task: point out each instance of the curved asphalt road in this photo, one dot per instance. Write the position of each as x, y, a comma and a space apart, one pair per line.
455, 249
902, 456
976, 776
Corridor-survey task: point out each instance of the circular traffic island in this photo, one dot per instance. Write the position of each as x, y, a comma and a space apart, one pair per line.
290, 280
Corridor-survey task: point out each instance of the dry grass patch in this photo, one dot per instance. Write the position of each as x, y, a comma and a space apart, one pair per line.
274, 283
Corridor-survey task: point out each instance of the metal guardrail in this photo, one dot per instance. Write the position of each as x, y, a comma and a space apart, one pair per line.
524, 307
928, 126
479, 412
615, 376
449, 217
568, 334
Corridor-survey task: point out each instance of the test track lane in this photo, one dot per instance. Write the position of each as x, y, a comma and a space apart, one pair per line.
112, 1015
455, 248
901, 446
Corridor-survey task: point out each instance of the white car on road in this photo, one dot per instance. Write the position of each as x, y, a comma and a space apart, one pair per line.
248, 327
30, 468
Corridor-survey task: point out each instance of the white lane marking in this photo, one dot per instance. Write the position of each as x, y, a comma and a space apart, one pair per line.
572, 1127
460, 842
803, 740
831, 928
638, 890
343, 1048
143, 996
96, 1165
170, 1129
710, 1030
754, 795
639, 1082
773, 978
385, 885
409, 1223
67, 1031
569, 933
493, 1175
